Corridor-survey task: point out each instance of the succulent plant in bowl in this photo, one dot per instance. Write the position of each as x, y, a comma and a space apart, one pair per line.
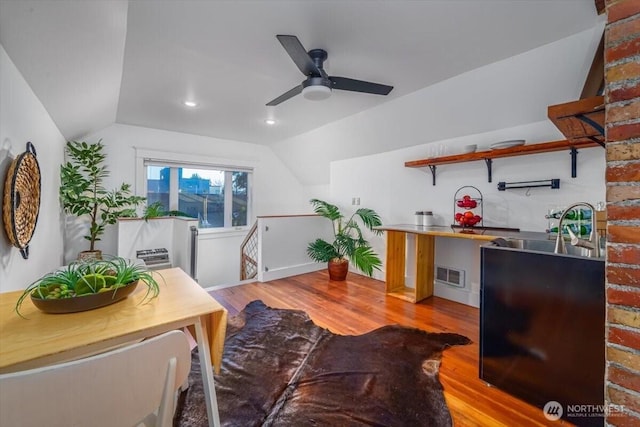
83, 285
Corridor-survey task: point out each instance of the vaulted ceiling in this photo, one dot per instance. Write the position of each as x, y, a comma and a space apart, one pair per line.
95, 63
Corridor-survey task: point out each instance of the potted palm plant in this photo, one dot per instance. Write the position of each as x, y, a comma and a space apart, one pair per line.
348, 244
82, 192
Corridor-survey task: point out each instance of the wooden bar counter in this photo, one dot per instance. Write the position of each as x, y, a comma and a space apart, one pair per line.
423, 260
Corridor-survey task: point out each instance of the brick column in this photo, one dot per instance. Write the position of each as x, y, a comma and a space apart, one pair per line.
622, 83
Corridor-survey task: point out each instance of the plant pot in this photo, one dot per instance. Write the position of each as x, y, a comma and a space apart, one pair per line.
338, 270
90, 255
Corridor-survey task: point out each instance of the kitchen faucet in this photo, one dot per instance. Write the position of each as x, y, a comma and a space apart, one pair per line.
593, 243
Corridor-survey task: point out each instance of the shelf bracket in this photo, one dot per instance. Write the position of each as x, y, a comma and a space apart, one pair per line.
489, 162
574, 162
588, 120
433, 173
596, 140
591, 122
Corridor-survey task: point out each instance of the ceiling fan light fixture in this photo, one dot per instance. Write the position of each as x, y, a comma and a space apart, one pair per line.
317, 84
316, 92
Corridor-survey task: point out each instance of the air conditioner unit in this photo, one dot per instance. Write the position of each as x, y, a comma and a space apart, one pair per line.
154, 259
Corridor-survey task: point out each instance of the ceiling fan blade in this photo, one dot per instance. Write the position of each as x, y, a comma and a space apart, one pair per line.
299, 55
344, 83
289, 94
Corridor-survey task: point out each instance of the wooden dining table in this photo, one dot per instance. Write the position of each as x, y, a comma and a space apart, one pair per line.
39, 339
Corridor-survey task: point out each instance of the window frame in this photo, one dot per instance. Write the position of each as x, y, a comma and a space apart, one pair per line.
174, 160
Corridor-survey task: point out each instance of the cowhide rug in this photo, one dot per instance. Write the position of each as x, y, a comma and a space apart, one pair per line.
280, 369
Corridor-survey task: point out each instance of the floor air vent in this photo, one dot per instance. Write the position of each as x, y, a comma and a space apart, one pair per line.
450, 276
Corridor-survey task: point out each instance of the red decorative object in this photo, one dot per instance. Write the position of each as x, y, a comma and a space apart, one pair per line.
465, 199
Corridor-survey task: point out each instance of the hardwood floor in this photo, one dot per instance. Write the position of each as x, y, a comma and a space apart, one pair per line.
360, 305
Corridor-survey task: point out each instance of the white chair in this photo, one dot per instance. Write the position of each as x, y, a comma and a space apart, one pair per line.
120, 388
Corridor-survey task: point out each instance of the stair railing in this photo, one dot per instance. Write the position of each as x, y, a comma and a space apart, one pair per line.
249, 254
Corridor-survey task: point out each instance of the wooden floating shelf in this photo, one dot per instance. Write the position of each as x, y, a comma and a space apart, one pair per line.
489, 155
580, 120
545, 147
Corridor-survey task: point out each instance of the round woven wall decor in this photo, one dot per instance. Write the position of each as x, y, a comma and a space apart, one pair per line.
21, 201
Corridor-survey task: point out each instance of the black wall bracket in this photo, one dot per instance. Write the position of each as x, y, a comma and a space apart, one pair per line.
489, 162
574, 161
584, 118
433, 173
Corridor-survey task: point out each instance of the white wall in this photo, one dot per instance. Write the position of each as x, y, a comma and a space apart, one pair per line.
171, 233
501, 101
516, 90
219, 257
275, 189
137, 234
182, 236
396, 192
383, 183
283, 241
512, 92
22, 119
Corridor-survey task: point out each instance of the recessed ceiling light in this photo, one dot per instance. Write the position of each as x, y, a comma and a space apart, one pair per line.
270, 122
190, 104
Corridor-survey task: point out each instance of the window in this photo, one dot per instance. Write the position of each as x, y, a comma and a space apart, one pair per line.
218, 197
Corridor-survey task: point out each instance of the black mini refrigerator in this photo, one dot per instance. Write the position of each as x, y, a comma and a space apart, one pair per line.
542, 327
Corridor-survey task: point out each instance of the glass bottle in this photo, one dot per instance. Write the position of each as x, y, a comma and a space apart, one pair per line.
578, 229
572, 215
578, 214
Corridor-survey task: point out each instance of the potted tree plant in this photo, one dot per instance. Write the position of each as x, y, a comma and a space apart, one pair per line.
82, 192
348, 244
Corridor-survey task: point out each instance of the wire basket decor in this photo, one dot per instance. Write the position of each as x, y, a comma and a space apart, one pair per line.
21, 199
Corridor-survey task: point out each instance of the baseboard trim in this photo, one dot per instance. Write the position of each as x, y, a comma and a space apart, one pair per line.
229, 285
456, 294
294, 270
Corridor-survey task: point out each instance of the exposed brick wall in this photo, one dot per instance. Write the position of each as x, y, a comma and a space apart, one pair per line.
622, 82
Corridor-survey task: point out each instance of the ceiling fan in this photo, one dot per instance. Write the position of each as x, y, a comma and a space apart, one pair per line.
318, 84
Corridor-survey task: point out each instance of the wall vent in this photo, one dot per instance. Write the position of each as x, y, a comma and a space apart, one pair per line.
450, 276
